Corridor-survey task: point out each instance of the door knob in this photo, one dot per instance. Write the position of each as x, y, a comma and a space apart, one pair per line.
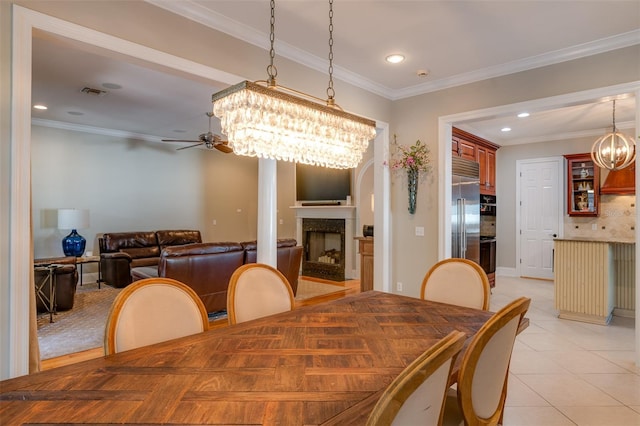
555, 235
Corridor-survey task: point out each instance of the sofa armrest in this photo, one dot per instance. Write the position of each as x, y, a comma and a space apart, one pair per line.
116, 268
116, 255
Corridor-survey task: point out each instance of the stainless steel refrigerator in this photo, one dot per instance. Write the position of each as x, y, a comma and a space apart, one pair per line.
465, 209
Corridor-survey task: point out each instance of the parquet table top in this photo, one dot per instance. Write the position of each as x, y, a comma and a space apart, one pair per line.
320, 364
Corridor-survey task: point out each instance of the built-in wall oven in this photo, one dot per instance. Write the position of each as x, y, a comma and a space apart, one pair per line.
488, 209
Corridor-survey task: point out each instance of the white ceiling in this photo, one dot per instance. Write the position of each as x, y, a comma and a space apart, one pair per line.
456, 41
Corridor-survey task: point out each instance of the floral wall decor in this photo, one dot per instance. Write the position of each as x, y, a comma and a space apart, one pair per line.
413, 160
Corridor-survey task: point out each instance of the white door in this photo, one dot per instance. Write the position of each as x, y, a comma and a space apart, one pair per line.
540, 214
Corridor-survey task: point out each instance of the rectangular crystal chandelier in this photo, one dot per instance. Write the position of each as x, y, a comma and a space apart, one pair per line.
269, 123
262, 119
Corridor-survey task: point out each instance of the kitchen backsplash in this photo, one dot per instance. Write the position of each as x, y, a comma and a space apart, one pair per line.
617, 219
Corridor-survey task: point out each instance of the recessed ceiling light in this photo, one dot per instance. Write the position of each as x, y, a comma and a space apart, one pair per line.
505, 129
396, 58
179, 131
40, 106
422, 73
75, 113
523, 115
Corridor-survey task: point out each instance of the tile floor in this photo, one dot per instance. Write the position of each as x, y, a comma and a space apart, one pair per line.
567, 372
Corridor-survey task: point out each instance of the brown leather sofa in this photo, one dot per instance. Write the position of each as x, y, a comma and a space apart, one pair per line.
289, 258
207, 267
66, 276
122, 251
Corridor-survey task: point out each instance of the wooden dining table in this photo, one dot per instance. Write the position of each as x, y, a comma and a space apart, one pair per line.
316, 365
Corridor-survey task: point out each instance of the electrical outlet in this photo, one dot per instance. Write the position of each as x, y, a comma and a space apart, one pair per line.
420, 231
594, 226
214, 222
399, 286
281, 222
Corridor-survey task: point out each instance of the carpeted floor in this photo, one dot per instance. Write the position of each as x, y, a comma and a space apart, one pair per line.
82, 327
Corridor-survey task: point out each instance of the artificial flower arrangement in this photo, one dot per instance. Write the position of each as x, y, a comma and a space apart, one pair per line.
414, 160
416, 157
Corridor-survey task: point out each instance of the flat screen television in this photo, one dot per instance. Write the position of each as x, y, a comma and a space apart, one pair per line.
320, 184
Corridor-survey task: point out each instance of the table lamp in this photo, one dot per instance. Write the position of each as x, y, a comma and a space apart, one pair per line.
74, 219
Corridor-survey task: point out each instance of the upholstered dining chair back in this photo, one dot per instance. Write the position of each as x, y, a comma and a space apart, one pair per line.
457, 282
257, 290
153, 310
416, 396
482, 380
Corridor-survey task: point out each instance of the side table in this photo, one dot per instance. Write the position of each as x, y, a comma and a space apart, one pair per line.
90, 259
50, 279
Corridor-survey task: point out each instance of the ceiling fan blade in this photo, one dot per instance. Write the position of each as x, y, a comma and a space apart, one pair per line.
190, 146
223, 147
179, 140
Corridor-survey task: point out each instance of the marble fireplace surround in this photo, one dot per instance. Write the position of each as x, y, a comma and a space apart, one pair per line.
348, 213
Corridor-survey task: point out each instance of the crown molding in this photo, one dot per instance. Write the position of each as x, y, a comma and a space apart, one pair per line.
53, 124
197, 13
200, 14
619, 41
591, 133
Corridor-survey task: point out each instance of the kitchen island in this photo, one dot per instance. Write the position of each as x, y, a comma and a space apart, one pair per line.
593, 277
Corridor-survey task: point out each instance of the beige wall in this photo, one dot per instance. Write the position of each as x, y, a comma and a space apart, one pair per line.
506, 175
417, 118
131, 185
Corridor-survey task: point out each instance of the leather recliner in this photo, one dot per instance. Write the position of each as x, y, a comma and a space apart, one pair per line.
66, 276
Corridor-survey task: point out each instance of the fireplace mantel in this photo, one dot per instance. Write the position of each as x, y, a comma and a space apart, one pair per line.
325, 212
348, 213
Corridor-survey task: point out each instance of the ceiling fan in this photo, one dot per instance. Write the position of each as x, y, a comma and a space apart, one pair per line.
208, 139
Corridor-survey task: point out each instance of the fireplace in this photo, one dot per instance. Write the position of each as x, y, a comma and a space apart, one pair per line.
324, 248
327, 233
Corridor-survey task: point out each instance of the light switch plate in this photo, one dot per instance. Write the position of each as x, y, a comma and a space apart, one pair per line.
420, 231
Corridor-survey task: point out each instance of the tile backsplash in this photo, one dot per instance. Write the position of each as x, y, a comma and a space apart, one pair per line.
617, 219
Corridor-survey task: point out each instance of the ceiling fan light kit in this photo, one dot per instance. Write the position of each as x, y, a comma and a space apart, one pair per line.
615, 150
265, 120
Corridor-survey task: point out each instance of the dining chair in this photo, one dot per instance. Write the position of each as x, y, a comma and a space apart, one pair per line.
257, 290
417, 395
457, 281
484, 370
153, 310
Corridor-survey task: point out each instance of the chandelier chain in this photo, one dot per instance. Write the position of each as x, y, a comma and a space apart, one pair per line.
272, 71
330, 92
614, 116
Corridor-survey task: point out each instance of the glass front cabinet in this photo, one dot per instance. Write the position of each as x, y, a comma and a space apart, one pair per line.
583, 185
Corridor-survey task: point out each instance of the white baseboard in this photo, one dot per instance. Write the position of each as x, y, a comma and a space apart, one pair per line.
506, 272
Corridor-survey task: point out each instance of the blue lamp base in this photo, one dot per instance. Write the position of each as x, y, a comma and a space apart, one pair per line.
73, 244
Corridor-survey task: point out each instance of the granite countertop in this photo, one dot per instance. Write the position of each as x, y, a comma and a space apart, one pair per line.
599, 240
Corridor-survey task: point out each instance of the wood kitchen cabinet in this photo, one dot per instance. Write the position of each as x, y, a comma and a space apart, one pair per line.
583, 185
463, 148
474, 148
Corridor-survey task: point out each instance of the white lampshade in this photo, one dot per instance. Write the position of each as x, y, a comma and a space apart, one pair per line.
73, 219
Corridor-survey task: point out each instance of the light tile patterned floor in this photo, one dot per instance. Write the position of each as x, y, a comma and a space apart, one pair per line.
567, 372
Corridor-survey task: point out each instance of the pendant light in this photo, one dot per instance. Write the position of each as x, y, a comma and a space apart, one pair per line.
615, 150
267, 120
